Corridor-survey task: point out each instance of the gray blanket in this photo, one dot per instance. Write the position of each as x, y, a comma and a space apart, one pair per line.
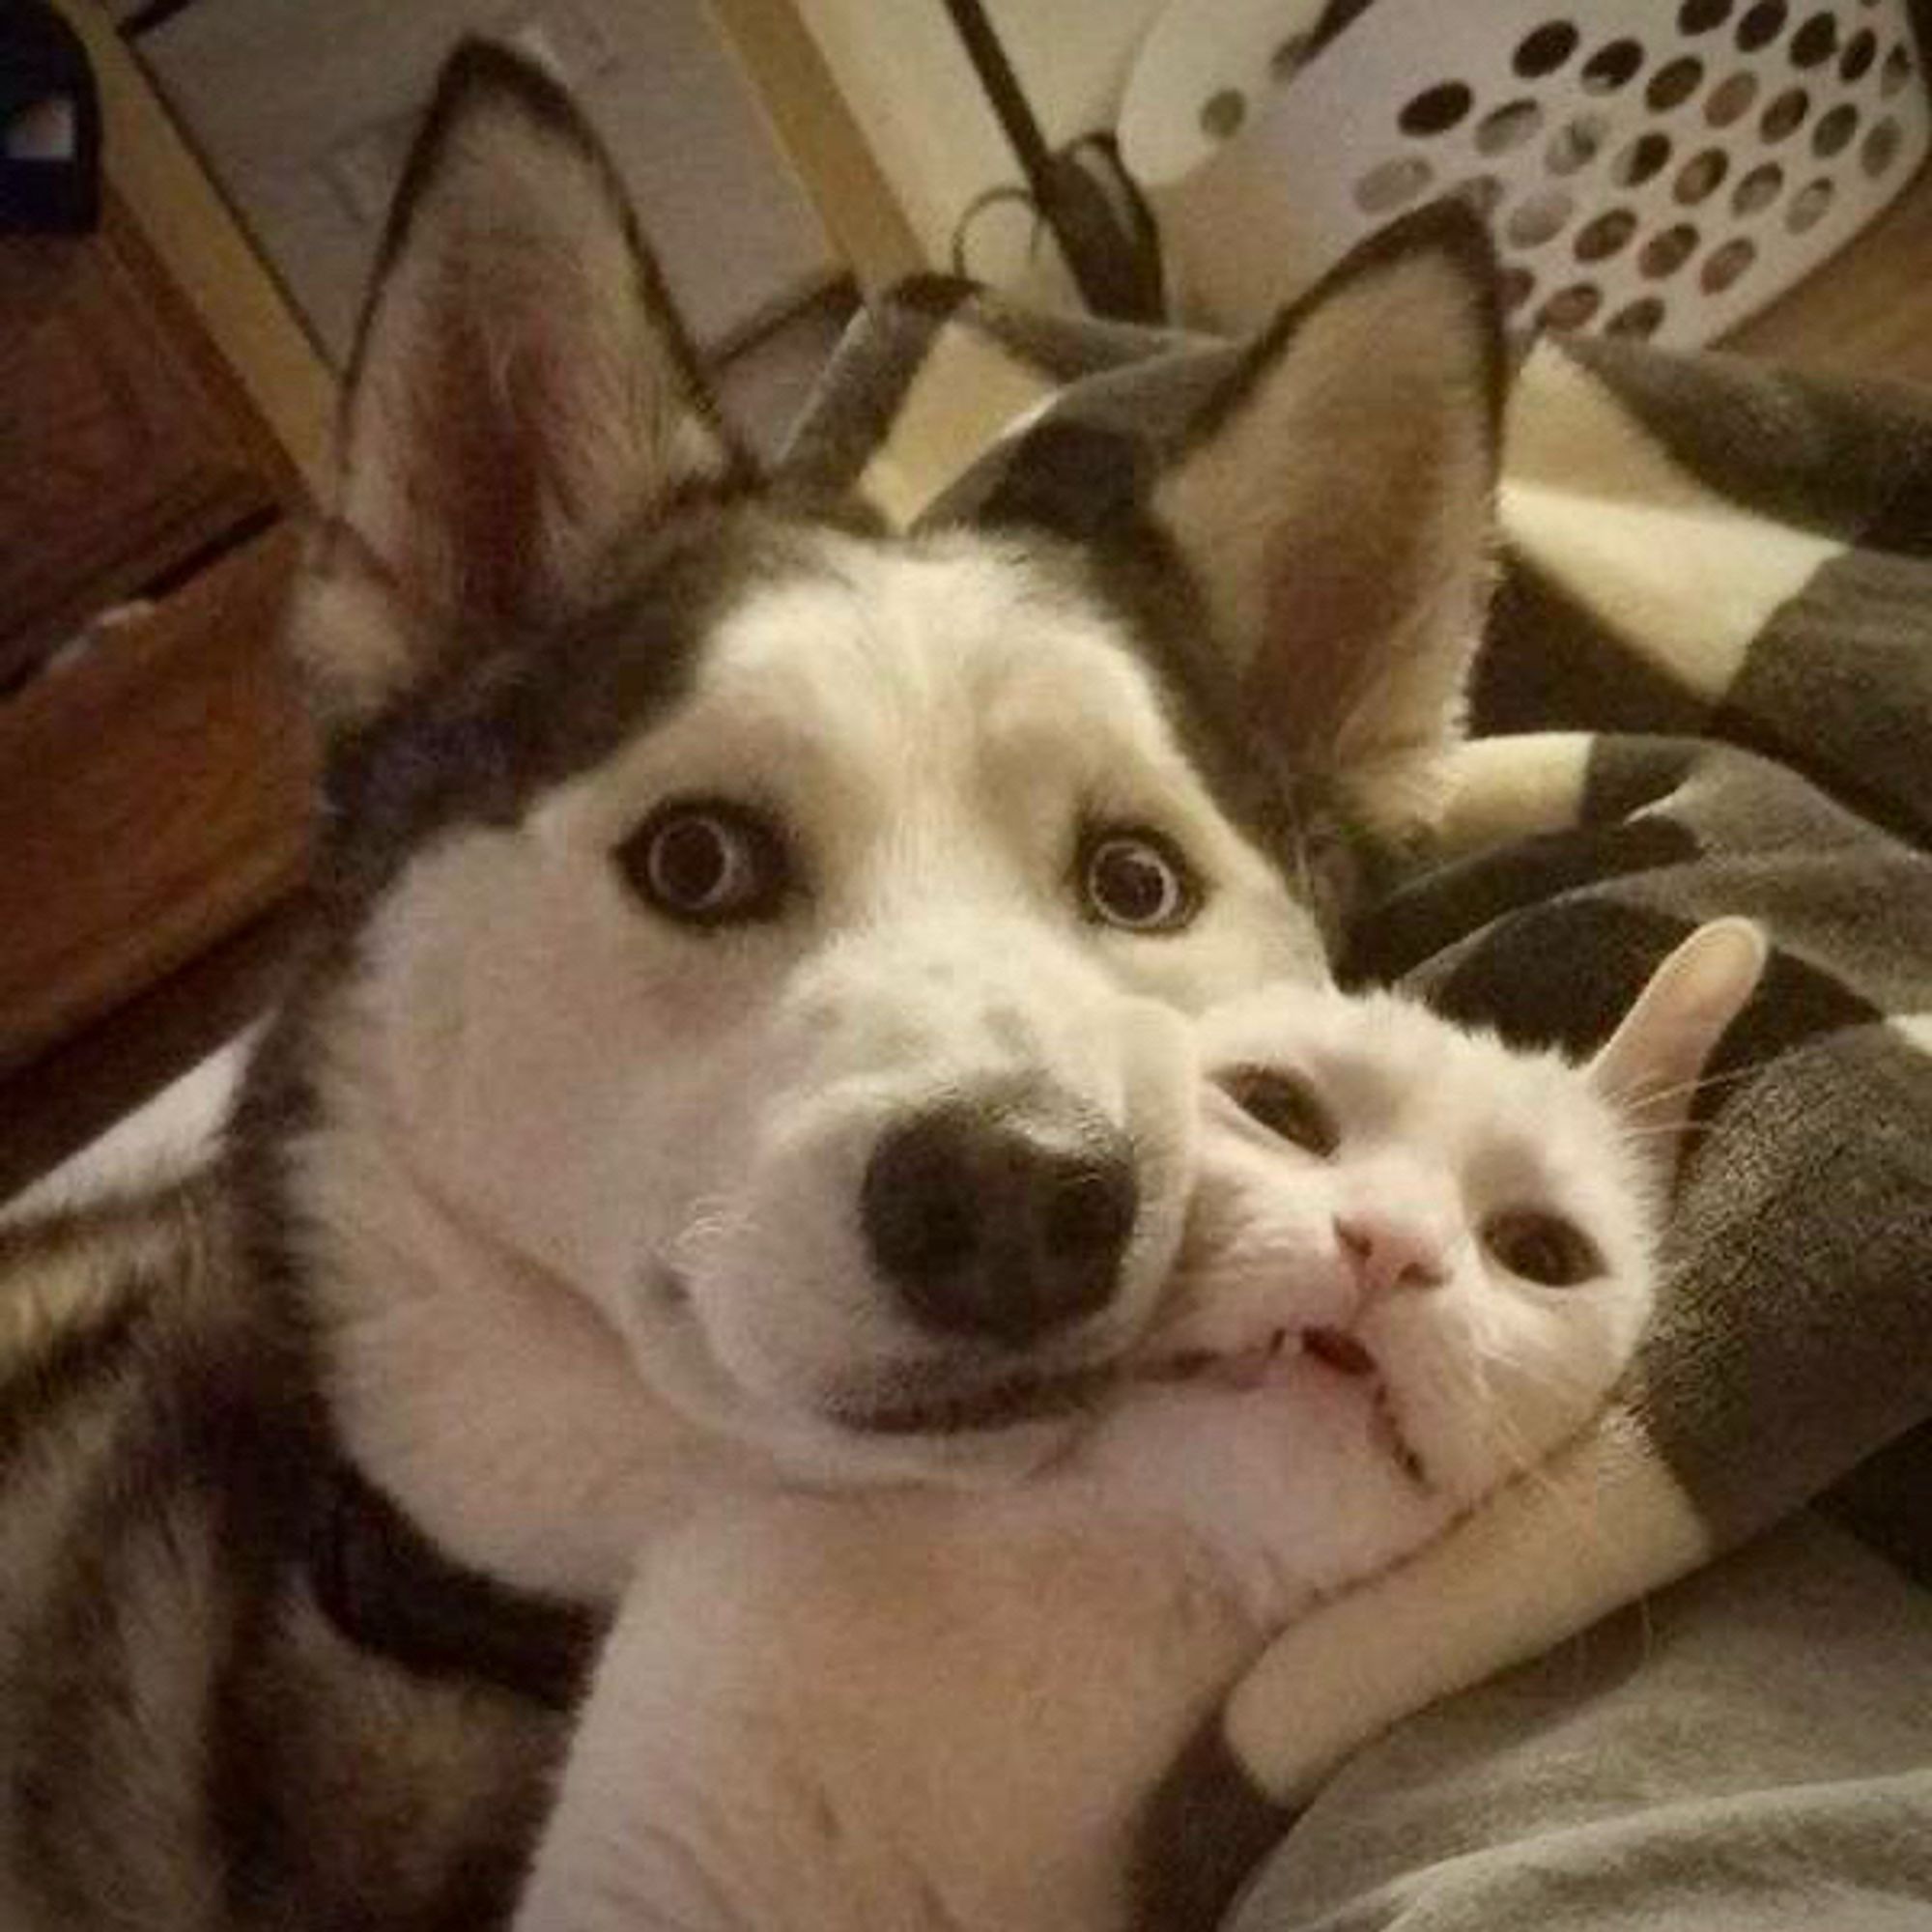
1707, 688
1748, 1754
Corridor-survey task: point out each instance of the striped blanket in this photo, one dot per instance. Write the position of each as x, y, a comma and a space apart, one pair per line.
1707, 688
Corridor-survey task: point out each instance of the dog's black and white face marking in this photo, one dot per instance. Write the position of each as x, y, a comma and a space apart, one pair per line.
947, 903
770, 939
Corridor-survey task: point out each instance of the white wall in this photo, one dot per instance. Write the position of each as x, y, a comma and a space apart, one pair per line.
901, 64
303, 113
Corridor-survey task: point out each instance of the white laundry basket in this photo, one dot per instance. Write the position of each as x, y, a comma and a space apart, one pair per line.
1660, 169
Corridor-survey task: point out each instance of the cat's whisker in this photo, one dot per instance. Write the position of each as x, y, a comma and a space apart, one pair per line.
1532, 1470
1702, 1139
1703, 1133
1671, 1094
713, 1219
1646, 1626
1638, 1128
1530, 1467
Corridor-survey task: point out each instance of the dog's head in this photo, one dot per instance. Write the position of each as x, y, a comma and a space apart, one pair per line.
775, 933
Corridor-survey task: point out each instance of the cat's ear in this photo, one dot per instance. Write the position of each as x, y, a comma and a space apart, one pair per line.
520, 392
1334, 505
1649, 1067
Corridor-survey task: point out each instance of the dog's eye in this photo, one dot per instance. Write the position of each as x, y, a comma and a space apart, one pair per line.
1285, 1105
1138, 882
1543, 1248
707, 864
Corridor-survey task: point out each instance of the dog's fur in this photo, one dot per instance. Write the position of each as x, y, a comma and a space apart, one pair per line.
541, 1215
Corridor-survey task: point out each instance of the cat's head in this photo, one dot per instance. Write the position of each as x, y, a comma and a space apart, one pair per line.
1452, 1239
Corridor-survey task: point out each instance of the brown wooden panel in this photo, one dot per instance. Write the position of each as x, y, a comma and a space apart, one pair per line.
1868, 310
125, 449
155, 177
153, 795
73, 1094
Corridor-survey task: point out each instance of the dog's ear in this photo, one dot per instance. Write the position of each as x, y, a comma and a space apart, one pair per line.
1334, 504
521, 393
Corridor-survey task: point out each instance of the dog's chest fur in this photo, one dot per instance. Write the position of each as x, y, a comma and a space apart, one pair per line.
187, 1739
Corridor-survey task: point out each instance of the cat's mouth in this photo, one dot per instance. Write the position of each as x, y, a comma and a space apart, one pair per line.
1335, 1351
1347, 1354
1338, 1350
1262, 1361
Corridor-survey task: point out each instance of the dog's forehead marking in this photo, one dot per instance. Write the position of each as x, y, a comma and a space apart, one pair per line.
953, 672
923, 627
956, 673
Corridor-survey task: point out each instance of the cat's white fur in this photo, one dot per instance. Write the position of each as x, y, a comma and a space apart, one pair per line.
922, 1712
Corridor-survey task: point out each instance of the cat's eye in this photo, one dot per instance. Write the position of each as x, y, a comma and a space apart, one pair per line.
1134, 879
706, 863
1543, 1248
1284, 1104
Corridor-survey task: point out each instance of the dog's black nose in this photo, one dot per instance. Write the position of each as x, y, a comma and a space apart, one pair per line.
1001, 1221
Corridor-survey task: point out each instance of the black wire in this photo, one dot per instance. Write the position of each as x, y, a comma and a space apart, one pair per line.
156, 14
992, 198
1037, 163
1002, 89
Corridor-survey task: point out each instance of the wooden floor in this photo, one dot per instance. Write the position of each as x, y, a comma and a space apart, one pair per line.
1869, 312
74, 1095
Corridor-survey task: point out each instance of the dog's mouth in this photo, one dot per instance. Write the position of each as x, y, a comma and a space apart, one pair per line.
1011, 1402
930, 1401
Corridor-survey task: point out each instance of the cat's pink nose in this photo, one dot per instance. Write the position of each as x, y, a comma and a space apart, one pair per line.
1388, 1254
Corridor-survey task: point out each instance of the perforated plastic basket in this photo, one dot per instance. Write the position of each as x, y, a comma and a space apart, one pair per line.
1657, 170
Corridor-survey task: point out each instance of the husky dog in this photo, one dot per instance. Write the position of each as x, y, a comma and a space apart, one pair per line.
745, 1044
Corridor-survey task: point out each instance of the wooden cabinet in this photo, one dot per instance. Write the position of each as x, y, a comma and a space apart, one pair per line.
153, 797
160, 417
127, 450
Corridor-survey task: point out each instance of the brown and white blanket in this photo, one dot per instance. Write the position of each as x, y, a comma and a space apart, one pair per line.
1707, 688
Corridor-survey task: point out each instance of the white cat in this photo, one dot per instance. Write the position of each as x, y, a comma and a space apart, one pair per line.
1417, 1260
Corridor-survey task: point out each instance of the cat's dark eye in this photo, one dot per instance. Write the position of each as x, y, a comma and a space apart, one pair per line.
706, 863
1135, 880
1286, 1105
1543, 1248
